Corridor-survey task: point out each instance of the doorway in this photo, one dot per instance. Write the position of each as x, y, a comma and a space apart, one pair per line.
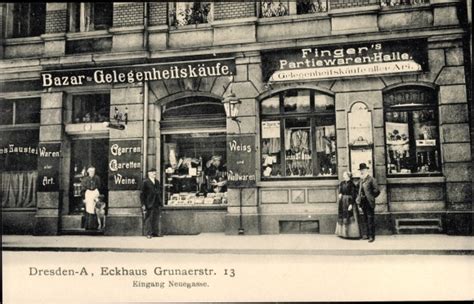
85, 153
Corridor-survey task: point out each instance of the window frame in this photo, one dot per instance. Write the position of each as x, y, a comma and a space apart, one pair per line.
410, 109
291, 8
11, 29
81, 17
14, 123
281, 116
70, 108
172, 20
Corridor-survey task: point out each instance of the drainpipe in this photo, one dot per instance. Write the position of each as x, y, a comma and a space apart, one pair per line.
145, 92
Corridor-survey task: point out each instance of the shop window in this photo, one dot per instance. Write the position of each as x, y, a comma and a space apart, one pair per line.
18, 168
275, 8
20, 111
298, 135
195, 168
28, 19
192, 12
411, 131
194, 152
90, 16
91, 108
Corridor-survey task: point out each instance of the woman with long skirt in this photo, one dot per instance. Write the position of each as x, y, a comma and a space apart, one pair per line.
348, 216
90, 187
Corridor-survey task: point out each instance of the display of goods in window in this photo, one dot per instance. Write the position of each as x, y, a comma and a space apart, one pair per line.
195, 169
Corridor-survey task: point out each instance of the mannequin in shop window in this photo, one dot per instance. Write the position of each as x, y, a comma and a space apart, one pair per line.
90, 186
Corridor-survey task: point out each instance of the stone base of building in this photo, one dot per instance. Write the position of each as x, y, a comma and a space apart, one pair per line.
46, 225
123, 226
18, 222
458, 223
315, 223
250, 224
176, 221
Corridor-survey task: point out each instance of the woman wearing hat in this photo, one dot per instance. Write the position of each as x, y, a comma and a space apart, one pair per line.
368, 191
347, 221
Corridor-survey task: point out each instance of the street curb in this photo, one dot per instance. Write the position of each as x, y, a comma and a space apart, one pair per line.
335, 252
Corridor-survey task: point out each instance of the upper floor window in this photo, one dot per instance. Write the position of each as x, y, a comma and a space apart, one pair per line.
193, 12
298, 135
403, 2
411, 131
90, 16
28, 19
90, 108
274, 8
20, 111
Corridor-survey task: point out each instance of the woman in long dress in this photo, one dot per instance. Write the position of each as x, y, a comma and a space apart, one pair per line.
348, 216
90, 187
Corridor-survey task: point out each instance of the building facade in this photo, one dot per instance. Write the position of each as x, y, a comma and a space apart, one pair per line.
323, 86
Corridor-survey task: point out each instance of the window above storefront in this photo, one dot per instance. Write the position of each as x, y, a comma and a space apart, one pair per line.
412, 132
298, 135
193, 106
87, 108
20, 111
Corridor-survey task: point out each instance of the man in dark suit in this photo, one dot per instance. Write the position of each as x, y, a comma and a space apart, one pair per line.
150, 197
368, 191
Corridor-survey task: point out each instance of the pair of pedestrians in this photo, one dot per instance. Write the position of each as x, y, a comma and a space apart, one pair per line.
351, 199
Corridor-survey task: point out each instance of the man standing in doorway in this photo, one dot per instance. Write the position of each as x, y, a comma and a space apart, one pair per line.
368, 191
150, 197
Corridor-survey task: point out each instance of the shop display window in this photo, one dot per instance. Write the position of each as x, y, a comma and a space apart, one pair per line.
20, 111
194, 169
298, 136
91, 108
18, 168
411, 132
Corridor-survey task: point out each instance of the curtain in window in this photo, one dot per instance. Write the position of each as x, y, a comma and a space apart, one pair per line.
18, 189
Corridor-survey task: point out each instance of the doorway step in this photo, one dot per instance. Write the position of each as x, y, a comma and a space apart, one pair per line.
72, 225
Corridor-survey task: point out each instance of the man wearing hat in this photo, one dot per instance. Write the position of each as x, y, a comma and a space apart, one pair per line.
150, 197
368, 191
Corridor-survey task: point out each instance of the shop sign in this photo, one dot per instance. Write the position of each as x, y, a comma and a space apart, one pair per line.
49, 160
241, 161
138, 73
125, 164
327, 62
18, 149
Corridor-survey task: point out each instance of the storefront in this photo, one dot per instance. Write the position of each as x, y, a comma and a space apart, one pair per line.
305, 115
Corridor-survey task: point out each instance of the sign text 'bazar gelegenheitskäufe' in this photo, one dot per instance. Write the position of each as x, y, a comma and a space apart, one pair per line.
364, 59
138, 73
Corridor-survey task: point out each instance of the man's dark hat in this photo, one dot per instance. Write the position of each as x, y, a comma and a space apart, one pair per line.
363, 166
151, 170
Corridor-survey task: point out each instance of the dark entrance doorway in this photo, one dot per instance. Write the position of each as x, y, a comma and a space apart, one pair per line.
85, 153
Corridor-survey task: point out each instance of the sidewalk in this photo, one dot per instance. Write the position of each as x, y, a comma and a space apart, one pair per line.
216, 243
